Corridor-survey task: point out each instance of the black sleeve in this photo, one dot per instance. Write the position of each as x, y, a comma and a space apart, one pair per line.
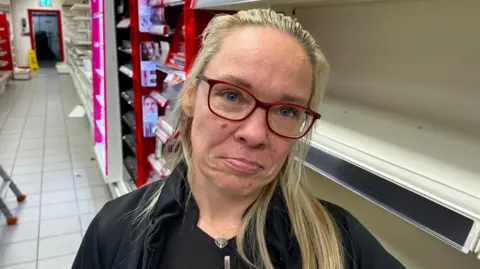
369, 253
88, 256
361, 249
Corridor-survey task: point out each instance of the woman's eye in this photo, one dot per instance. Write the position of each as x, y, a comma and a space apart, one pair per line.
287, 111
231, 96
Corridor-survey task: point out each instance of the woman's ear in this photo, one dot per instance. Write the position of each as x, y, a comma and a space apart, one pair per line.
188, 100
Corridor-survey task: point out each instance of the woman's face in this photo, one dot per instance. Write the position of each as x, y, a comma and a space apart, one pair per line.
149, 105
242, 157
147, 50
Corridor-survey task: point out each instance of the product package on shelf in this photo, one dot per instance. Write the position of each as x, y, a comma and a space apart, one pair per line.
172, 85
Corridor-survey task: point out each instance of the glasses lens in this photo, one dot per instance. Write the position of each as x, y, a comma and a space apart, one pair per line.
230, 102
290, 121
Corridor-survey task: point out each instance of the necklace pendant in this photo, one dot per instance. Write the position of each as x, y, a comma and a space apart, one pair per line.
221, 242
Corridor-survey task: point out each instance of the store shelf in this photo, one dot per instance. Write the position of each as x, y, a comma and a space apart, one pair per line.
164, 131
173, 4
126, 70
81, 18
5, 76
127, 51
160, 98
162, 67
129, 119
128, 97
99, 72
129, 139
100, 156
436, 163
101, 127
81, 42
80, 8
124, 24
82, 91
5, 7
131, 166
100, 100
159, 166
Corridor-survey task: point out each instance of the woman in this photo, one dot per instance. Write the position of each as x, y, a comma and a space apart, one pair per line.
237, 198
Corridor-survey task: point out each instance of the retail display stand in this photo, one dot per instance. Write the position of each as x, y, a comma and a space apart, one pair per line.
99, 100
147, 32
77, 31
156, 42
6, 60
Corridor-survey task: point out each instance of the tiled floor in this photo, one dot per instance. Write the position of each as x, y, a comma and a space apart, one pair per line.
50, 157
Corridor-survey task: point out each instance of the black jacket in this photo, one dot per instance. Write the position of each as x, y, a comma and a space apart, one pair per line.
111, 242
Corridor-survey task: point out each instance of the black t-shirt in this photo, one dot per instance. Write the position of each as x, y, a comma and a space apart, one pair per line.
189, 247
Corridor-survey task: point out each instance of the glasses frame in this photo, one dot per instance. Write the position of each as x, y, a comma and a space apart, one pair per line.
258, 103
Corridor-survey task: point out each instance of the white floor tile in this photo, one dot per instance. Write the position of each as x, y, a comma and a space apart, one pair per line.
24, 215
56, 158
58, 175
28, 169
33, 200
34, 153
29, 188
18, 233
57, 150
58, 246
91, 206
33, 134
56, 166
57, 185
30, 265
63, 262
59, 210
58, 197
16, 253
29, 161
61, 226
27, 178
93, 192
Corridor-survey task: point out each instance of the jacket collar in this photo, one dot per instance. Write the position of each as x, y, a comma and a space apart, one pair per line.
281, 241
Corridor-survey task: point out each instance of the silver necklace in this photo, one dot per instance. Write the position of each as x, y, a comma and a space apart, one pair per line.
220, 241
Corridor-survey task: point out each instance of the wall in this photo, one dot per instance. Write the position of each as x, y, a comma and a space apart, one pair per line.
19, 11
412, 246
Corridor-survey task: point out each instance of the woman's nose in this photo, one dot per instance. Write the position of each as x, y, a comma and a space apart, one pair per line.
253, 130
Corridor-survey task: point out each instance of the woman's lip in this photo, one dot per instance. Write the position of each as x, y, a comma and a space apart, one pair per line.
243, 165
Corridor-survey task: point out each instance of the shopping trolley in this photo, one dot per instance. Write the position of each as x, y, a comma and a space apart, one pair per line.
8, 183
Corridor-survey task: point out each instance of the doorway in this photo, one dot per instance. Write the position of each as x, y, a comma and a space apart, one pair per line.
46, 36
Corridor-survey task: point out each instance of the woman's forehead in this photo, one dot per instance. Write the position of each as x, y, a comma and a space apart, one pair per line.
268, 61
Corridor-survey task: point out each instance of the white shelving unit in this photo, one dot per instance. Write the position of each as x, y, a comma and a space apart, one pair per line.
400, 104
78, 40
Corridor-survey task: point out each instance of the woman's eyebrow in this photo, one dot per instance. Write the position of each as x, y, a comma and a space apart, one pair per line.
294, 99
236, 80
285, 98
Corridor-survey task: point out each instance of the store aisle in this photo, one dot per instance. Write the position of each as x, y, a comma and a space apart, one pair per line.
51, 158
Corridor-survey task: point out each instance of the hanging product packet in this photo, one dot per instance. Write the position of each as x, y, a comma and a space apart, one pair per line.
172, 85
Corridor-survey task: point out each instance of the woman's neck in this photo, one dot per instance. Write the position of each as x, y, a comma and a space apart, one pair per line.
219, 212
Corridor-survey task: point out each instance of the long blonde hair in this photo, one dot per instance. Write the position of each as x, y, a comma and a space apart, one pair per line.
314, 229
